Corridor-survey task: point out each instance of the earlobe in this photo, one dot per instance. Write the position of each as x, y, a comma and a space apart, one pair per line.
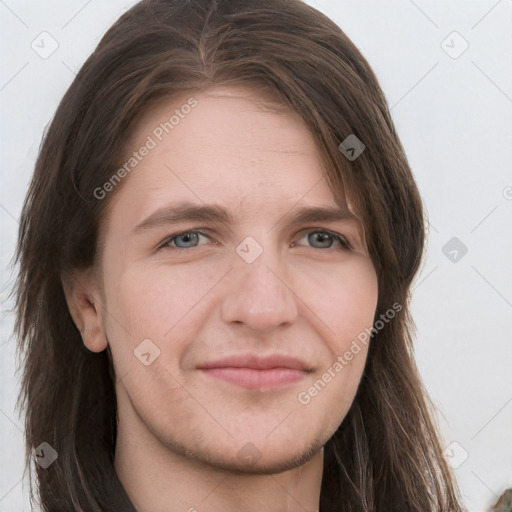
85, 307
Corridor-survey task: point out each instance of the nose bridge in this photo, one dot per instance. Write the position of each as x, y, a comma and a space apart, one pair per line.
259, 295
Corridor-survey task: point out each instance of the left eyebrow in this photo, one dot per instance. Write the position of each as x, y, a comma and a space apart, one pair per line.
182, 212
307, 214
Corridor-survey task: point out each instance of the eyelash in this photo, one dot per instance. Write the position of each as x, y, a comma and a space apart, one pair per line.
344, 243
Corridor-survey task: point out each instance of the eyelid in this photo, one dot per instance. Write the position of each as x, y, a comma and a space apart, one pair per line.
165, 243
342, 239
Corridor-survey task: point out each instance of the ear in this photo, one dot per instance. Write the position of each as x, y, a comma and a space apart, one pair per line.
85, 304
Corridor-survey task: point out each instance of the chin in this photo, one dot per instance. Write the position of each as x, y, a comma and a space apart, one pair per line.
266, 461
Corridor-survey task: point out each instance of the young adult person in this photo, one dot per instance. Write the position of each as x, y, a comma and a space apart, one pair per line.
216, 253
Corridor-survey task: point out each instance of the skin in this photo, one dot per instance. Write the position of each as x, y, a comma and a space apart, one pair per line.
181, 432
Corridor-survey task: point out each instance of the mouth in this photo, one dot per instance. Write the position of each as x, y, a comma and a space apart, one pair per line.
251, 378
257, 372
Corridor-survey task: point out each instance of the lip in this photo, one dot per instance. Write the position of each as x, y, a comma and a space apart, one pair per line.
257, 362
257, 372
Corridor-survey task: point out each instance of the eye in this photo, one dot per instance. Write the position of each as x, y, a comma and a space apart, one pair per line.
187, 238
190, 239
325, 240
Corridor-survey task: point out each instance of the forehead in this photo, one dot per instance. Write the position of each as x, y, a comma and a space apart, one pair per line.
232, 148
236, 120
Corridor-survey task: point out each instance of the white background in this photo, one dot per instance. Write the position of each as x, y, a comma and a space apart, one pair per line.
454, 117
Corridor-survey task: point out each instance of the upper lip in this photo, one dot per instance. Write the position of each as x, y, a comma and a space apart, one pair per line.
258, 362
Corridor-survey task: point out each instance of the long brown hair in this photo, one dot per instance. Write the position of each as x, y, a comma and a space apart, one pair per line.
387, 453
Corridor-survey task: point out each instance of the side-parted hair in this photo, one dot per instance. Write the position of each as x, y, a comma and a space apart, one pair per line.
386, 456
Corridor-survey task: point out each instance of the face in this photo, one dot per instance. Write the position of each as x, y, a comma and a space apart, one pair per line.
223, 325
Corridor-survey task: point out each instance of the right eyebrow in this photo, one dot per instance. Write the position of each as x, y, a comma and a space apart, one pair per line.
185, 212
217, 213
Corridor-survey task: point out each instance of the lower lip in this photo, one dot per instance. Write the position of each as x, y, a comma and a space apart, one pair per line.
256, 379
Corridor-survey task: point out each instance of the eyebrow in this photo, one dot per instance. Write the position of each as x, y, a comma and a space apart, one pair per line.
213, 213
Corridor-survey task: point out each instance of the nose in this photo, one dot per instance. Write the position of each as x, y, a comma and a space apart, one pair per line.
259, 295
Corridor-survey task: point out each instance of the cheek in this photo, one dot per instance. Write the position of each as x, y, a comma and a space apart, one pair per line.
344, 297
159, 301
156, 304
150, 301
